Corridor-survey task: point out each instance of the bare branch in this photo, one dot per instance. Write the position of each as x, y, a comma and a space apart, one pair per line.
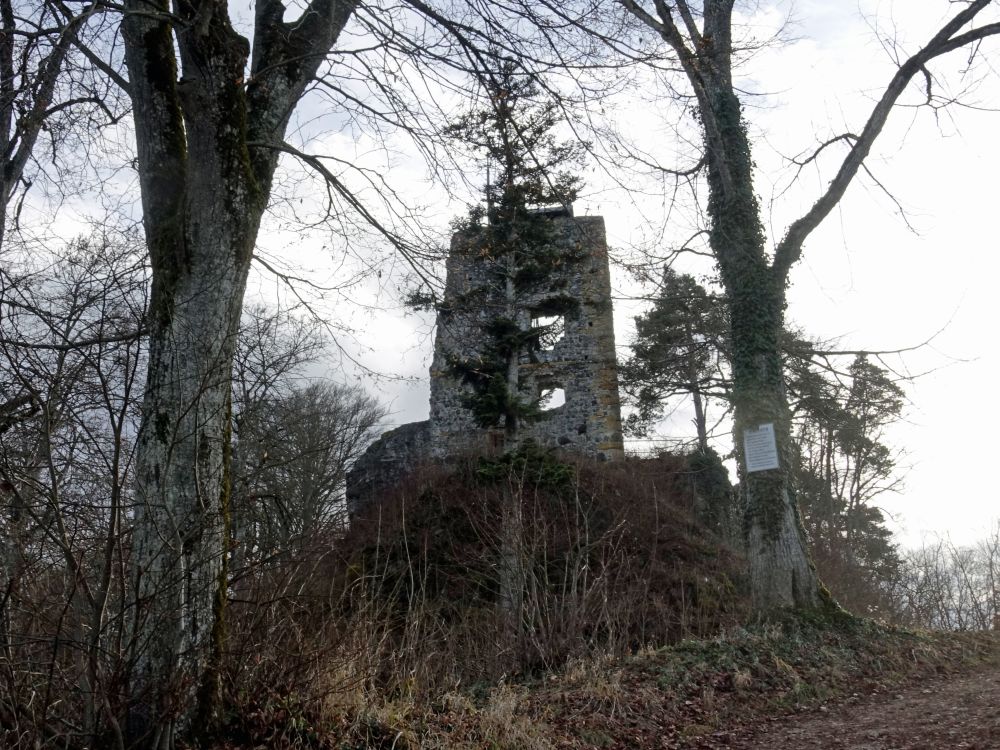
790, 248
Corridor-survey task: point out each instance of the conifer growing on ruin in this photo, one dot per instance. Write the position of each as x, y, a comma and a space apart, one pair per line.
677, 351
527, 170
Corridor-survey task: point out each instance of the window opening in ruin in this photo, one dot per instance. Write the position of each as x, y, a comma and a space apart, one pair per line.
554, 330
552, 398
495, 438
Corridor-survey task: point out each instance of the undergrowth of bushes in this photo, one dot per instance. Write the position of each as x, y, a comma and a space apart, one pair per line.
627, 634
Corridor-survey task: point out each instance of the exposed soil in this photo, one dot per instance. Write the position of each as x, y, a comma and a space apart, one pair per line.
804, 685
960, 712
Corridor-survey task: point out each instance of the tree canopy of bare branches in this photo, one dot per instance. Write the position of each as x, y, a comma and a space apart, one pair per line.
700, 37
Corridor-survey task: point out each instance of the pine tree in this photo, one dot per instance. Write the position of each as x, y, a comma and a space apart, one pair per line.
677, 351
527, 170
841, 461
843, 464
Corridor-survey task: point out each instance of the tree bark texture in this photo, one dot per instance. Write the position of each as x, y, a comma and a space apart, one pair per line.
207, 150
781, 574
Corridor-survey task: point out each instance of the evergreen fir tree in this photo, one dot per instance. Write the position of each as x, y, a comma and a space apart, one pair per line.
527, 170
844, 464
677, 351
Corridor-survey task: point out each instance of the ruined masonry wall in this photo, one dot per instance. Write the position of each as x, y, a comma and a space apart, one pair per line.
582, 363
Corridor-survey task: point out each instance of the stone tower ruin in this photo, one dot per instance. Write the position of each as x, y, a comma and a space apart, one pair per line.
577, 362
579, 365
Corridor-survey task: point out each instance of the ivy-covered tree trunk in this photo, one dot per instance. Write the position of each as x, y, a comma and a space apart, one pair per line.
700, 35
207, 150
780, 572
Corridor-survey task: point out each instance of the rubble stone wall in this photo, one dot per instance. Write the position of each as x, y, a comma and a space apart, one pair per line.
581, 363
388, 460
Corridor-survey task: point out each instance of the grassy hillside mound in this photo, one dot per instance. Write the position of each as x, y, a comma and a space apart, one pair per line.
599, 557
687, 695
502, 571
680, 695
624, 633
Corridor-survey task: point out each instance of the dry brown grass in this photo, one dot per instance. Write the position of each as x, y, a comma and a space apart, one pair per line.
399, 625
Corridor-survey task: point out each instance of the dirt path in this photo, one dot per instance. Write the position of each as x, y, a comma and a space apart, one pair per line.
953, 713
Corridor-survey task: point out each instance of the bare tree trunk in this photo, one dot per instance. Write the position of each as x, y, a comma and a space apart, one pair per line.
512, 581
207, 150
201, 213
182, 475
781, 573
694, 386
511, 420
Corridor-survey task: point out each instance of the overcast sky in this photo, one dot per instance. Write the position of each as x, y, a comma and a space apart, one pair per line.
866, 277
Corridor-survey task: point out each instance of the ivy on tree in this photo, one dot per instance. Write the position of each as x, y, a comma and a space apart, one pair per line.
527, 170
701, 39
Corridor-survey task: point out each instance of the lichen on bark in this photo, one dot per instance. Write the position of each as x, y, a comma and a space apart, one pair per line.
203, 196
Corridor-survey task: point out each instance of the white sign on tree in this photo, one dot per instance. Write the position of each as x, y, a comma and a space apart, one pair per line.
760, 448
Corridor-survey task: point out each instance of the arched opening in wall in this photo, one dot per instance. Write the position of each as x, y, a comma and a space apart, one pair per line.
551, 399
550, 329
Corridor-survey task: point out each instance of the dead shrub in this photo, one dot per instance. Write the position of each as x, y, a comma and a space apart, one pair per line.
407, 605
